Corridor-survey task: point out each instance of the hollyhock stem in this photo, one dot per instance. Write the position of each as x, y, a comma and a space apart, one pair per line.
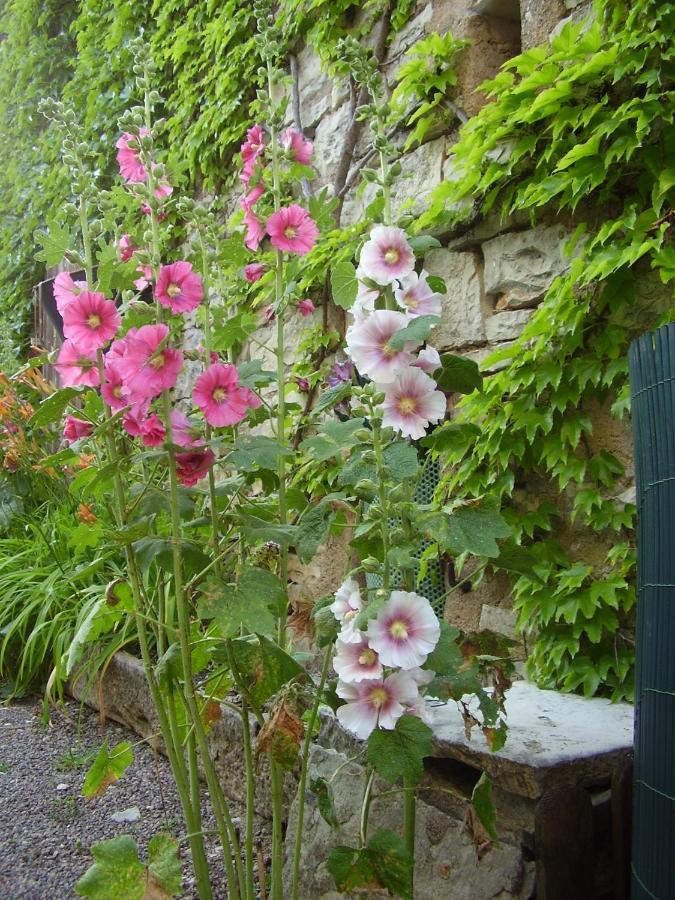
303, 771
365, 808
409, 809
384, 503
250, 799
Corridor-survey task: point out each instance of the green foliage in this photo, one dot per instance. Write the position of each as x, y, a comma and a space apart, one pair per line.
384, 863
399, 754
107, 768
481, 801
584, 126
118, 872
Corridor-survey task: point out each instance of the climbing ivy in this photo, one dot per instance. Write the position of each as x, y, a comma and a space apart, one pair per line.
582, 127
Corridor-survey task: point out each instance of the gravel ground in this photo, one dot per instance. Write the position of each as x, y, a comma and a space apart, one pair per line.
47, 827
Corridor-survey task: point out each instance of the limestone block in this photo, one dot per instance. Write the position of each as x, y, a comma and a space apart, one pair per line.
422, 171
493, 42
411, 32
520, 266
583, 12
505, 326
328, 141
538, 19
315, 89
444, 852
499, 620
462, 317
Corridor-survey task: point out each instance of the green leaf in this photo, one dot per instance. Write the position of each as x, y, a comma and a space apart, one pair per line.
313, 529
164, 865
107, 768
52, 407
481, 800
437, 285
458, 375
474, 529
422, 243
252, 375
446, 657
383, 863
416, 332
257, 529
323, 792
399, 754
332, 397
257, 451
333, 438
54, 242
169, 668
118, 872
454, 436
264, 666
344, 285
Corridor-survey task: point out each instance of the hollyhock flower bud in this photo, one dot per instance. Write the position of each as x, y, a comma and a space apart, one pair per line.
291, 228
129, 158
416, 297
75, 428
356, 661
269, 315
303, 384
375, 703
146, 278
405, 631
368, 345
163, 190
90, 321
428, 360
179, 288
251, 149
248, 201
76, 367
300, 149
345, 608
387, 255
148, 366
306, 308
254, 272
220, 398
412, 402
193, 466
255, 230
66, 290
126, 248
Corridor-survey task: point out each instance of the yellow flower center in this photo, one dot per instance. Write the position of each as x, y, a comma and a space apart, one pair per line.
117, 391
392, 256
367, 658
406, 405
398, 630
173, 290
219, 395
94, 321
388, 351
157, 361
290, 232
378, 697
410, 301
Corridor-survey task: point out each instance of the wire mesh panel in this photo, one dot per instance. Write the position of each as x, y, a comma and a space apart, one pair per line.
652, 375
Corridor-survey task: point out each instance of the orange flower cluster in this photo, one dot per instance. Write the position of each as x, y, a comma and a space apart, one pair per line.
17, 449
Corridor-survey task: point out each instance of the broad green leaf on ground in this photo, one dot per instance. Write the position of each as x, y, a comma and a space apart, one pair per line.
416, 332
107, 768
400, 753
383, 863
458, 374
118, 872
54, 242
323, 793
481, 800
264, 666
343, 284
52, 407
333, 438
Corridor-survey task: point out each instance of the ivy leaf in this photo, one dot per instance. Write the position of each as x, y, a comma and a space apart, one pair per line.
118, 872
107, 768
422, 243
323, 792
437, 285
459, 375
416, 332
400, 753
343, 284
54, 242
481, 800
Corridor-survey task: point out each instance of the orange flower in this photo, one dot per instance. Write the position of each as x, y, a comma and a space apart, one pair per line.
85, 515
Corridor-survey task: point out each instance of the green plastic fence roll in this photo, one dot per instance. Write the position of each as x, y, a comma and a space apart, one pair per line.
651, 361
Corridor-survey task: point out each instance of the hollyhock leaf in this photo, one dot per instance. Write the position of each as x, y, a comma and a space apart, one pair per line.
117, 872
333, 438
436, 284
481, 800
323, 793
257, 529
326, 626
251, 374
455, 436
107, 768
446, 657
474, 529
351, 869
399, 754
52, 407
422, 243
54, 242
233, 331
332, 397
344, 285
254, 583
313, 530
164, 867
392, 864
401, 460
264, 666
403, 557
257, 451
232, 251
416, 332
458, 375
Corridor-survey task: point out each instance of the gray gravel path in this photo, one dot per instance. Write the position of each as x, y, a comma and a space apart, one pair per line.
47, 827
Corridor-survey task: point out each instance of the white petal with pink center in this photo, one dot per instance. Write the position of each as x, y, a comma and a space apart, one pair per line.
387, 255
428, 360
375, 702
416, 297
412, 402
368, 345
347, 599
354, 662
405, 631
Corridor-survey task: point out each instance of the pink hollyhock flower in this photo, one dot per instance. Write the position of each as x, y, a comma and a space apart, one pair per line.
356, 661
148, 367
146, 278
269, 315
411, 402
300, 149
405, 630
368, 345
254, 272
119, 346
248, 201
193, 466
375, 702
90, 321
346, 607
179, 288
133, 419
66, 290
255, 230
427, 360
75, 428
364, 304
220, 398
387, 255
153, 431
76, 367
306, 308
291, 228
251, 149
163, 190
126, 247
129, 158
416, 297
112, 389
185, 433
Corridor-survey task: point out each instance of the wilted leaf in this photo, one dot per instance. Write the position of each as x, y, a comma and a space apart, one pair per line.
281, 736
118, 872
107, 768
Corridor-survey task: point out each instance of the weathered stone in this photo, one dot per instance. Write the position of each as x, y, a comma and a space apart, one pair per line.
492, 42
315, 89
422, 171
507, 325
498, 619
537, 19
328, 142
520, 265
501, 9
462, 317
411, 32
583, 12
444, 852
